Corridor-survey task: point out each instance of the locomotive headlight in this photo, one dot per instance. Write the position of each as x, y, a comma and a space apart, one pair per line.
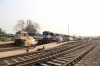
18, 37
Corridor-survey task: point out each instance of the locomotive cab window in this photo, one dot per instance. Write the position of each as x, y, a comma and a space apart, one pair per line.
24, 34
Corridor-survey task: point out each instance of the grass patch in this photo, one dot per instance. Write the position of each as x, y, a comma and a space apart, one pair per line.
6, 39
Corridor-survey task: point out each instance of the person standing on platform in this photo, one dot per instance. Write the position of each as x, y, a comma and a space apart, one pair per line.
27, 49
57, 39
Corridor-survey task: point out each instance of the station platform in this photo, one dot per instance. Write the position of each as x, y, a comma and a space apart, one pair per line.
23, 51
8, 42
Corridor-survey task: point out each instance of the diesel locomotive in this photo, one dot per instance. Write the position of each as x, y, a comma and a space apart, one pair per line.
46, 37
21, 37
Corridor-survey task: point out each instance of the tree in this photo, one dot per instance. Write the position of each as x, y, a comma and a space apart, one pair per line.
2, 31
19, 26
32, 27
29, 27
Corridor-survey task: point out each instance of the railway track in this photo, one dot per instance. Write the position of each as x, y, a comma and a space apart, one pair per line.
41, 58
65, 58
6, 45
11, 47
8, 49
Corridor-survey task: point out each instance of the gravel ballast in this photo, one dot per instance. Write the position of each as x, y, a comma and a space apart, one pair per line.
92, 58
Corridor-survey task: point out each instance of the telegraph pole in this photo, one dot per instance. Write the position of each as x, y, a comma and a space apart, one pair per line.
68, 33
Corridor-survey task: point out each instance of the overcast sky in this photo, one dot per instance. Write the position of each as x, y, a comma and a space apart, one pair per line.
82, 16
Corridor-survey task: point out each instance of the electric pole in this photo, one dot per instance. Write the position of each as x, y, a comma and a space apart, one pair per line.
68, 33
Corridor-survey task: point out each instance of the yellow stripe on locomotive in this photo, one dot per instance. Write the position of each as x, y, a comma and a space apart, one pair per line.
23, 37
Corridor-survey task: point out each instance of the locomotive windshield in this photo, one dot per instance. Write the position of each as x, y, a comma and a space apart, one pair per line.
47, 33
18, 33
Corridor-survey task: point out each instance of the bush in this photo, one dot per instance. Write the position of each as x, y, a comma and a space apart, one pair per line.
12, 38
3, 39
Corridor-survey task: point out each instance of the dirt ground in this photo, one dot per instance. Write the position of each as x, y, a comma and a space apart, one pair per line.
91, 59
6, 42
